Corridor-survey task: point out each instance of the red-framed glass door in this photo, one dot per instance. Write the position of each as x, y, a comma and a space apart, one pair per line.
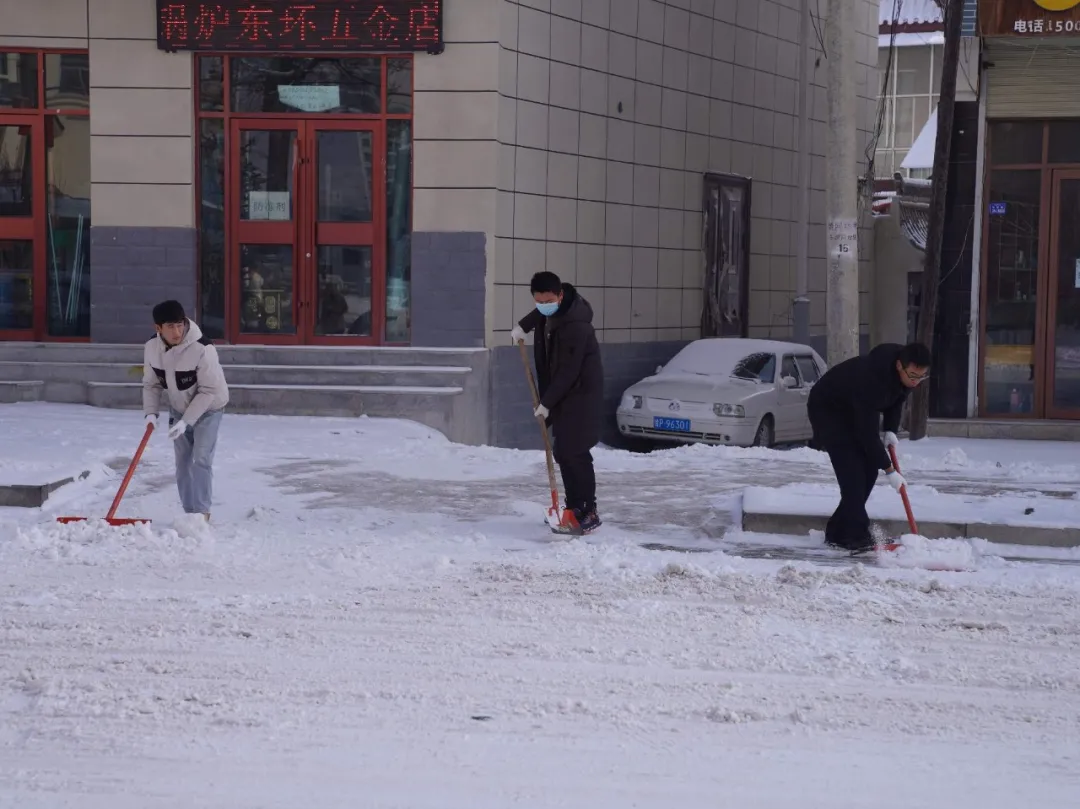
1063, 301
306, 244
22, 225
344, 189
265, 246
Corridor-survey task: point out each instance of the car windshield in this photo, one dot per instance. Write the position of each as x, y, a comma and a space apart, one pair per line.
723, 358
760, 367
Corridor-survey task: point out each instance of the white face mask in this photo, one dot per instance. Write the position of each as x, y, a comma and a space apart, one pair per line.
547, 309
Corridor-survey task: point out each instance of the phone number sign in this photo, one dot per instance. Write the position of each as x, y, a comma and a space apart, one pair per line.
300, 25
1029, 17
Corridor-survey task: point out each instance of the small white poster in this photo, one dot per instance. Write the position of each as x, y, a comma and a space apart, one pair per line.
268, 205
1076, 274
277, 205
310, 97
258, 205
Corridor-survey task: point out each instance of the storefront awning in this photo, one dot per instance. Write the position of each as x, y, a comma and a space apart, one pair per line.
921, 155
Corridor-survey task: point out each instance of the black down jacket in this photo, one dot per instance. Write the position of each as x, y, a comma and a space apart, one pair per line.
847, 402
569, 374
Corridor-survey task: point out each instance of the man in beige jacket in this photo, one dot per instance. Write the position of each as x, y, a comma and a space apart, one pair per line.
181, 367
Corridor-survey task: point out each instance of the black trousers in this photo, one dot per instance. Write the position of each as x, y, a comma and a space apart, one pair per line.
579, 479
856, 473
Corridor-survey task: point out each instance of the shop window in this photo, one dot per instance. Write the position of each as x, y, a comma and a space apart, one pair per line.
399, 86
212, 227
18, 80
211, 84
398, 228
299, 85
1011, 287
67, 81
1064, 142
1016, 143
912, 66
16, 171
45, 195
68, 226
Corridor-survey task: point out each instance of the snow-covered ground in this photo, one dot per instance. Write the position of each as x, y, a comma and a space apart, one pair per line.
378, 618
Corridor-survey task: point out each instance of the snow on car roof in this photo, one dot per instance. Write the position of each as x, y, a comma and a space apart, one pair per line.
719, 355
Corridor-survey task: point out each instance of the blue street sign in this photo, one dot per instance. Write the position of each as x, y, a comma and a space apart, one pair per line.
997, 208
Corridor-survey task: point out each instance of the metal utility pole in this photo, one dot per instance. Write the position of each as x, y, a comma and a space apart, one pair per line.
935, 233
842, 224
800, 307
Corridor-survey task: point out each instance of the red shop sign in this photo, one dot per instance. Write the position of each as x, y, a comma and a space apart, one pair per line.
300, 25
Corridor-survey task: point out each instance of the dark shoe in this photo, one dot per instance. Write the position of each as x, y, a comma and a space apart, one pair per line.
854, 547
589, 521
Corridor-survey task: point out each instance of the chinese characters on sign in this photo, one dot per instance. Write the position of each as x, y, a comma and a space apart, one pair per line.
300, 25
1036, 18
1041, 26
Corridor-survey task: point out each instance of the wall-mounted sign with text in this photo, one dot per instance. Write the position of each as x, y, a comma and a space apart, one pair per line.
286, 26
1029, 18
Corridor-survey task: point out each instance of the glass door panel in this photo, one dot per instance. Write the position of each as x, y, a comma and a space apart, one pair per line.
1064, 337
16, 285
344, 291
1011, 294
267, 206
19, 199
345, 182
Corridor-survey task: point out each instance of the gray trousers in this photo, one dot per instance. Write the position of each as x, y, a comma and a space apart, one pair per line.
195, 461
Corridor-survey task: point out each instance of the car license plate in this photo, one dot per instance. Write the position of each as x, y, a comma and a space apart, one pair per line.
671, 425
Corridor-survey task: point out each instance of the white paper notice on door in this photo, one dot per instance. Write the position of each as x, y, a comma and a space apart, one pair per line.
268, 205
310, 97
1076, 274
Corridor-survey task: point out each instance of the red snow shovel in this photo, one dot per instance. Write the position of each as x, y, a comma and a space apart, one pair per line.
892, 546
560, 519
111, 517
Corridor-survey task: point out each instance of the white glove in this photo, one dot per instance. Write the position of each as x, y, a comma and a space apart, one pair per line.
151, 418
891, 440
178, 429
541, 412
517, 335
896, 480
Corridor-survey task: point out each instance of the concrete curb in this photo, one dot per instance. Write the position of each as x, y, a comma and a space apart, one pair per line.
803, 524
34, 496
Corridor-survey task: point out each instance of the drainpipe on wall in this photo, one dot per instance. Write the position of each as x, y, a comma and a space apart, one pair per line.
974, 328
800, 307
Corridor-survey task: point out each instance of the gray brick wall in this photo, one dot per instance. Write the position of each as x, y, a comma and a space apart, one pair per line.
448, 289
511, 405
135, 268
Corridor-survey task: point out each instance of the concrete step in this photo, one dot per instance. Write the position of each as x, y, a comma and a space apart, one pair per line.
433, 406
23, 390
66, 379
251, 355
1013, 429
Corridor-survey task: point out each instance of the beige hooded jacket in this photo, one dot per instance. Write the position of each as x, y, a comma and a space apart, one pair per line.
188, 376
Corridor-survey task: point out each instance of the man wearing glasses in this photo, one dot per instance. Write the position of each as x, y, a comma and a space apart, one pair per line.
845, 407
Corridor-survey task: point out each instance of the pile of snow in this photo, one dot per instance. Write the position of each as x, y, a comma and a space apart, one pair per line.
918, 552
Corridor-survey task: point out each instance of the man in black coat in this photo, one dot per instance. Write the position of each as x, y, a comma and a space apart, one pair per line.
844, 408
570, 379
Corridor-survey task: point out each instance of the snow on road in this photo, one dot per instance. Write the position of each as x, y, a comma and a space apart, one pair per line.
378, 618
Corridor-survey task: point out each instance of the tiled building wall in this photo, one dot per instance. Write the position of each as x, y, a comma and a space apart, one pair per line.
610, 112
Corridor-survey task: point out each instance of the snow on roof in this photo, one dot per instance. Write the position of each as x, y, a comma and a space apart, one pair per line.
921, 154
912, 12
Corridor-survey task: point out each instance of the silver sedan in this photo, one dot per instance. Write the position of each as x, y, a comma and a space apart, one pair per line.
730, 391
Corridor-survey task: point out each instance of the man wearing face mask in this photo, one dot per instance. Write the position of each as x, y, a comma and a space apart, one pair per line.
570, 379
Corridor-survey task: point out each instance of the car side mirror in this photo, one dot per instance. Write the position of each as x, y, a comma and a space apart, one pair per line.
790, 382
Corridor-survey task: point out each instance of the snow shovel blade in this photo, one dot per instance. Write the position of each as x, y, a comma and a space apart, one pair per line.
109, 520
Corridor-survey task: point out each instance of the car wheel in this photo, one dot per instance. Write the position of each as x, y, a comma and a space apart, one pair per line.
764, 435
